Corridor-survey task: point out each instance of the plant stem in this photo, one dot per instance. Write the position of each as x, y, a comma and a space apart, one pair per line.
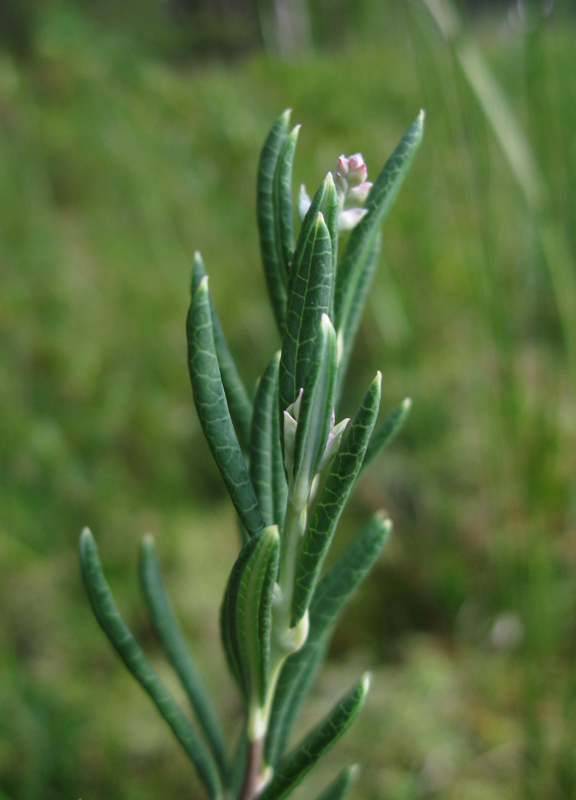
250, 784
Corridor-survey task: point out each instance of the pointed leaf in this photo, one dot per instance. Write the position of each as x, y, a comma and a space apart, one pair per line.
325, 202
171, 638
338, 788
356, 257
316, 409
304, 757
309, 299
237, 397
265, 451
212, 408
282, 204
335, 493
331, 594
246, 614
387, 431
269, 248
111, 622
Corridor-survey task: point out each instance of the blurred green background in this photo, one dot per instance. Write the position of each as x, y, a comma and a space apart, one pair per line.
129, 137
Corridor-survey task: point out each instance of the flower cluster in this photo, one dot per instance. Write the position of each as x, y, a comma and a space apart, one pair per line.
352, 189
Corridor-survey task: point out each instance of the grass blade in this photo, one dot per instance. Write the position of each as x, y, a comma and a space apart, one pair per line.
237, 396
120, 636
351, 281
174, 645
387, 431
275, 279
341, 479
330, 596
305, 756
212, 408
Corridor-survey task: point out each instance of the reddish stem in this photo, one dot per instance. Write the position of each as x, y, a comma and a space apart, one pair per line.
252, 772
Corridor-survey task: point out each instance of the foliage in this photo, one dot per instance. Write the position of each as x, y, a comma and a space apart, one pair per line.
109, 165
276, 613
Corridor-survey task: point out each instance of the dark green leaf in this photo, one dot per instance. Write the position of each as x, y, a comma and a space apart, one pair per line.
237, 397
269, 246
265, 444
330, 596
333, 497
111, 622
309, 299
387, 431
325, 201
212, 408
282, 204
246, 613
304, 757
171, 638
351, 280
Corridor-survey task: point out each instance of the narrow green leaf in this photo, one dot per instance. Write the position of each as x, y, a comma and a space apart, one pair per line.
330, 596
351, 280
246, 613
237, 396
325, 202
338, 788
111, 622
269, 248
212, 408
309, 299
357, 304
282, 204
387, 431
333, 497
317, 405
305, 756
172, 639
265, 442
279, 483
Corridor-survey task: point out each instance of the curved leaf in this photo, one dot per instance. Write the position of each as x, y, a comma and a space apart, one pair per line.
330, 596
111, 622
171, 638
333, 497
282, 204
212, 408
237, 396
246, 614
275, 280
304, 757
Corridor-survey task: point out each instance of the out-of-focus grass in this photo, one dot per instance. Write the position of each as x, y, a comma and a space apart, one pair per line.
112, 171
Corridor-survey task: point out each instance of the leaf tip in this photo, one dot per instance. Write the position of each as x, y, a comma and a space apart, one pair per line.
406, 405
365, 683
203, 285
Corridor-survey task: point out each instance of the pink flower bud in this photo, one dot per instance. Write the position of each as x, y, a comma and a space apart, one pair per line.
357, 171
